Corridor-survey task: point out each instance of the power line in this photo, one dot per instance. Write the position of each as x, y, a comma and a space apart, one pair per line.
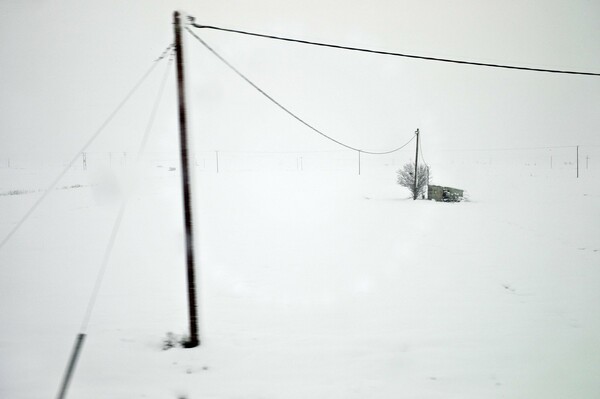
117, 223
168, 51
389, 53
286, 110
85, 146
81, 335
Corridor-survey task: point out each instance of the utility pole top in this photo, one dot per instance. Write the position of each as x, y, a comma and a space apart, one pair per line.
183, 17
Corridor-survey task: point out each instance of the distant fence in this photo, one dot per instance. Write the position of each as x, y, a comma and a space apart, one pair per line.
535, 160
214, 161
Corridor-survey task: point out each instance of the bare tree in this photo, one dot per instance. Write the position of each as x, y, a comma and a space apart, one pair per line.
406, 178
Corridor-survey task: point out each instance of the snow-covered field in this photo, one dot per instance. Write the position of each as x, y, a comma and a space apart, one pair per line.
312, 285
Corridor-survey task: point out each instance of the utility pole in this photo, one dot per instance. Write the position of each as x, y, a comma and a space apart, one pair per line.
84, 156
578, 162
185, 179
416, 166
359, 162
217, 158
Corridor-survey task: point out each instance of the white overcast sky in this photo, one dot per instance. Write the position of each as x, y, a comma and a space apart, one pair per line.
64, 65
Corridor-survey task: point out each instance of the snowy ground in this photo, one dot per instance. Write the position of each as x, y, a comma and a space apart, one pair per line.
312, 285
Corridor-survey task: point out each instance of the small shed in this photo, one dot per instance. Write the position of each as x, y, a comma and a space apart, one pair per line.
445, 194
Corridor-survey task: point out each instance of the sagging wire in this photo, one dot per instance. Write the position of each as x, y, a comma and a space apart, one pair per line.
285, 109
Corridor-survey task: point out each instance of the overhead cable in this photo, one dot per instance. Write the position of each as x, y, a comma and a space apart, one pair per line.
100, 276
83, 148
119, 218
389, 53
286, 110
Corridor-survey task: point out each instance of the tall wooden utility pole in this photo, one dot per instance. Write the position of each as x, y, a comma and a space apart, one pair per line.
185, 179
416, 166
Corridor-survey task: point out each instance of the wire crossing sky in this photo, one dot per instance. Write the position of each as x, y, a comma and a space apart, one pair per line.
365, 50
89, 142
117, 224
293, 115
324, 59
